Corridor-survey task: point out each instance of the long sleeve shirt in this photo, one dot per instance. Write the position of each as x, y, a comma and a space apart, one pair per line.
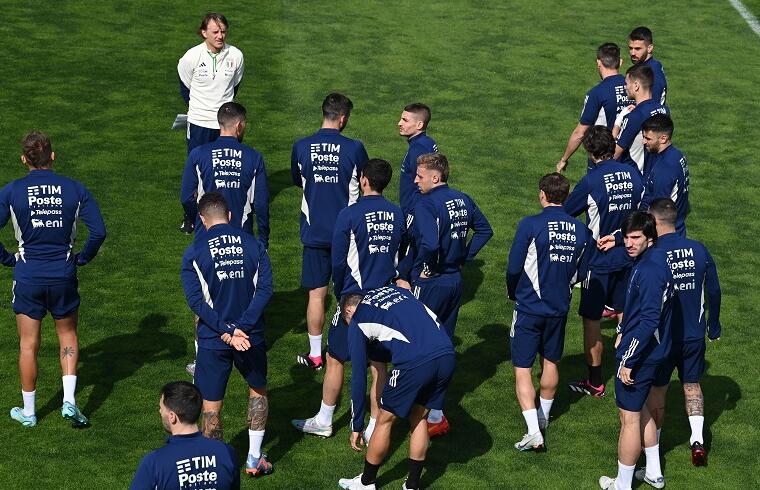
630, 138
667, 176
408, 193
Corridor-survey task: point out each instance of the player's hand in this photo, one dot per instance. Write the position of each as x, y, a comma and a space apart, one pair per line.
618, 339
605, 243
424, 276
357, 441
561, 165
239, 333
403, 284
227, 338
625, 376
240, 344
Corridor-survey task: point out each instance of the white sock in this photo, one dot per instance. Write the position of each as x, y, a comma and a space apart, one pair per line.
546, 407
659, 431
531, 418
315, 345
196, 347
653, 461
29, 398
69, 387
325, 415
435, 416
624, 476
255, 438
696, 422
370, 428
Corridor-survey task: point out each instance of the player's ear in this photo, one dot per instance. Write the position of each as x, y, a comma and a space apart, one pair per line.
620, 63
23, 160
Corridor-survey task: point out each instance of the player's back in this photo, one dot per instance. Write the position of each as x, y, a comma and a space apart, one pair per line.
189, 461
372, 230
402, 324
660, 85
604, 102
555, 244
667, 175
420, 144
327, 166
630, 138
44, 207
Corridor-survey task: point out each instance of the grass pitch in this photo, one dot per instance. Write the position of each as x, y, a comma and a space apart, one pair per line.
505, 81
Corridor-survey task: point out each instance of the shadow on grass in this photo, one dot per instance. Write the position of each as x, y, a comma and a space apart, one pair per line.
279, 181
472, 278
115, 358
468, 438
286, 313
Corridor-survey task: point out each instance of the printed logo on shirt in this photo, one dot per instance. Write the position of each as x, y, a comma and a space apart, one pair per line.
325, 158
621, 98
380, 228
45, 201
459, 218
227, 253
383, 298
685, 171
683, 267
227, 164
619, 188
198, 472
562, 241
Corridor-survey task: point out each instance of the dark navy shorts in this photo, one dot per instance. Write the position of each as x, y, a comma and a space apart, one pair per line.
602, 289
316, 267
633, 397
213, 368
34, 301
531, 335
688, 358
443, 295
423, 385
198, 135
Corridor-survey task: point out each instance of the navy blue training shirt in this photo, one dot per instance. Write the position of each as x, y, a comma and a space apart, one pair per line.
189, 461
44, 208
660, 85
419, 144
365, 245
694, 276
604, 102
607, 194
227, 278
545, 261
667, 175
403, 326
327, 166
630, 138
237, 172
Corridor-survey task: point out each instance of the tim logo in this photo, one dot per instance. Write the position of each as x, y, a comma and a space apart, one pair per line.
214, 243
553, 226
33, 190
183, 466
450, 205
216, 153
197, 472
315, 147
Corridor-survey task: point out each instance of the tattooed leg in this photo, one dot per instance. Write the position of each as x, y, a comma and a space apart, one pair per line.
212, 420
695, 402
258, 409
66, 328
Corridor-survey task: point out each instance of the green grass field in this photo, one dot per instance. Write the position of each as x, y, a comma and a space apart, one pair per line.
505, 81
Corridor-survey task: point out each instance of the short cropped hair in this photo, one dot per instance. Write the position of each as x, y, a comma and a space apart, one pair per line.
660, 124
556, 187
599, 142
347, 301
336, 105
437, 162
37, 149
664, 210
213, 205
641, 33
378, 172
642, 74
640, 221
421, 111
609, 55
184, 399
230, 113
216, 17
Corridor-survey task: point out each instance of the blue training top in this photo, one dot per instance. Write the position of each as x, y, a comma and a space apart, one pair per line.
630, 139
227, 278
327, 166
189, 461
607, 194
694, 274
646, 328
365, 245
419, 144
545, 261
403, 326
237, 172
44, 207
660, 85
667, 175
604, 102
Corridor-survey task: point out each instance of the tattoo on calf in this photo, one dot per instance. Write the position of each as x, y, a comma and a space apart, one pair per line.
212, 425
67, 352
258, 410
695, 402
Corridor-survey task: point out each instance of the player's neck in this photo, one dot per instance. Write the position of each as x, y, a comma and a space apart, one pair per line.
642, 96
327, 124
184, 429
606, 73
664, 146
370, 192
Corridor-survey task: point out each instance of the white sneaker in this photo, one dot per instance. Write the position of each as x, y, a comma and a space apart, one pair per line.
310, 426
355, 483
190, 369
531, 442
641, 475
607, 483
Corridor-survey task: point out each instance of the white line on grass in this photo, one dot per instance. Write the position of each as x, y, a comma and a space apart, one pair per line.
746, 15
